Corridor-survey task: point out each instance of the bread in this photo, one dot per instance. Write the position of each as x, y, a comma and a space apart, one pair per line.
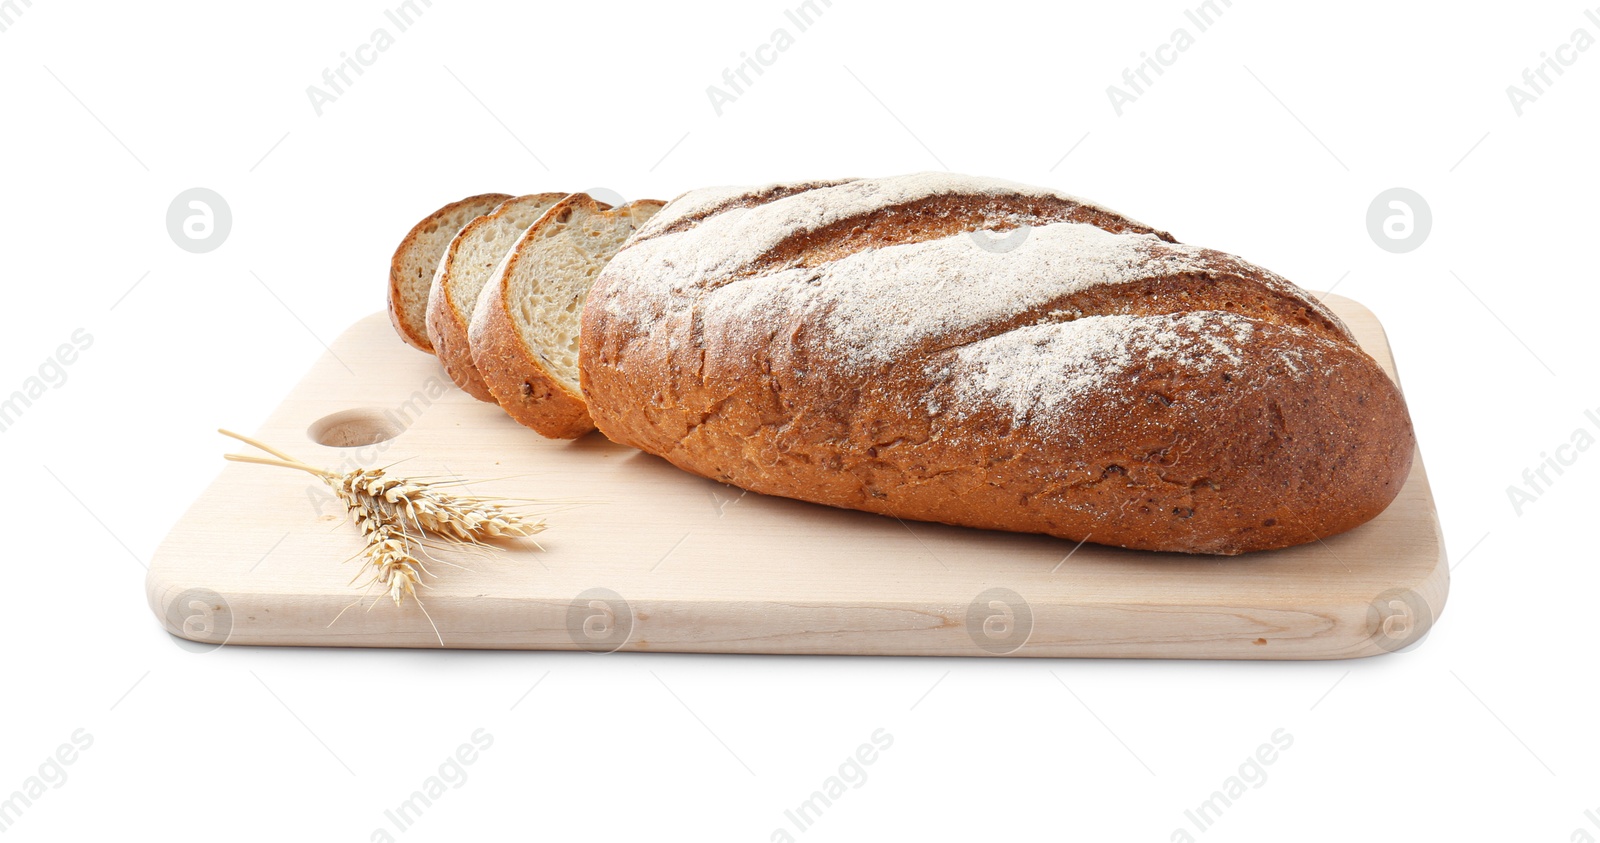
864, 344
524, 332
412, 267
467, 265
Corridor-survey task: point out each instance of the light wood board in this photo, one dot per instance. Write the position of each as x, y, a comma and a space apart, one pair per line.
662, 560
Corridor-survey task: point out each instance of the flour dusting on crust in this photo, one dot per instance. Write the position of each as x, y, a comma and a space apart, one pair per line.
880, 307
729, 242
875, 306
1038, 372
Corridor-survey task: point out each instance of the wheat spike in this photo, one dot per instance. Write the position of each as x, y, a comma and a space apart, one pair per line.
468, 518
383, 506
388, 554
464, 517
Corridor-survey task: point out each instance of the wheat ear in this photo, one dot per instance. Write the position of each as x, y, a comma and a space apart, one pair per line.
469, 518
382, 506
464, 517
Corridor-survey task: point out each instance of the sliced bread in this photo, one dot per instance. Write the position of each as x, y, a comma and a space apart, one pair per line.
466, 267
412, 267
524, 332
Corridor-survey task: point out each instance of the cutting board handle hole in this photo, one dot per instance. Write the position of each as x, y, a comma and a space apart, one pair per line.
355, 428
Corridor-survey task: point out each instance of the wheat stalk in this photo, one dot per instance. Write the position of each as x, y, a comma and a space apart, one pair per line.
383, 506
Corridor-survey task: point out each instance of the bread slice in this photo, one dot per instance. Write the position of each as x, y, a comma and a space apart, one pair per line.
466, 267
524, 333
412, 267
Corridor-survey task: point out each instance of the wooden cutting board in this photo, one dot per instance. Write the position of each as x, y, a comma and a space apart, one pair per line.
658, 559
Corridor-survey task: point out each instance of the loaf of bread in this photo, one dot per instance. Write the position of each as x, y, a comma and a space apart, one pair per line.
988, 354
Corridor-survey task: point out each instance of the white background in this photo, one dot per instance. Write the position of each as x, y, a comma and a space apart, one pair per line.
1268, 139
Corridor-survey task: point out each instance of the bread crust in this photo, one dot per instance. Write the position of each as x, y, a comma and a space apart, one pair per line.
447, 323
413, 328
1245, 419
514, 373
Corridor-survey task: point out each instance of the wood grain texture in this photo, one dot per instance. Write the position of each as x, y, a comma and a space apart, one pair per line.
690, 565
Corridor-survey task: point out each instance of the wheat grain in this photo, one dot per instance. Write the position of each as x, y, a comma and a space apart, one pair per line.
387, 554
383, 506
470, 518
463, 517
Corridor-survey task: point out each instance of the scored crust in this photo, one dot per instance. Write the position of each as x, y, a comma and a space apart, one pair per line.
464, 270
524, 331
869, 345
416, 259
